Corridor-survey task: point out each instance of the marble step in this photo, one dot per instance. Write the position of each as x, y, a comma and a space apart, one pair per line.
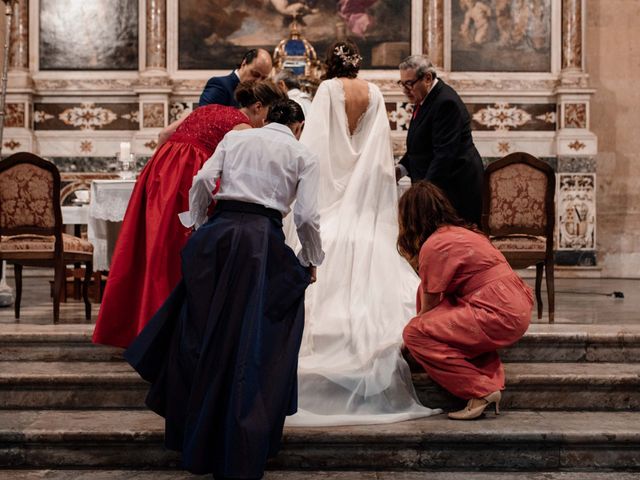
554, 386
46, 343
516, 441
542, 343
309, 475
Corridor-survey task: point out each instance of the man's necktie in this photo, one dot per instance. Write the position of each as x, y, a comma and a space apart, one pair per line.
416, 107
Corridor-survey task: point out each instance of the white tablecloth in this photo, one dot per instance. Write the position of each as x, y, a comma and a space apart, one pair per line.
109, 200
75, 215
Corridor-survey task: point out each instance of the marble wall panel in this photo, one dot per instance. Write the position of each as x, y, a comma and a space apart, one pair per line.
576, 207
502, 117
153, 115
15, 115
179, 109
399, 114
575, 115
74, 168
576, 164
86, 116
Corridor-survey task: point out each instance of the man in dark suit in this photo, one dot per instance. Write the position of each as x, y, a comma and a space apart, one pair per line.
255, 65
440, 148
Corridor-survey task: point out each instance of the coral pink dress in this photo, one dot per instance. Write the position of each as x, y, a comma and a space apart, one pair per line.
486, 306
146, 261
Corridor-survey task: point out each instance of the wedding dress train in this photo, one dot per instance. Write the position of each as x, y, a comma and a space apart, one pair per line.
350, 368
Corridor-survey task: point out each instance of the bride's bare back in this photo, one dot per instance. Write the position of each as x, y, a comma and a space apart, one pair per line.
356, 100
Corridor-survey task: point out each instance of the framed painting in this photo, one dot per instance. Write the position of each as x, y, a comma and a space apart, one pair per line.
88, 35
214, 34
501, 35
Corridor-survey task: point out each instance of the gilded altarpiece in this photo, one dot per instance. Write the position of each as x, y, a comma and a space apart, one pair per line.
518, 64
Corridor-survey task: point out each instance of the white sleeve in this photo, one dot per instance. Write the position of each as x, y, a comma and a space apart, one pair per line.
204, 182
306, 216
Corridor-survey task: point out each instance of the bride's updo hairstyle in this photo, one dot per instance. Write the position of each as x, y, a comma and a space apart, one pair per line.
343, 60
421, 211
263, 91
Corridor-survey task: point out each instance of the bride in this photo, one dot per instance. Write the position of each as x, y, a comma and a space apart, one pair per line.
350, 367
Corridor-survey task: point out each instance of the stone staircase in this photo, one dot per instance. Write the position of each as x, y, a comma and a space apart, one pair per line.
72, 410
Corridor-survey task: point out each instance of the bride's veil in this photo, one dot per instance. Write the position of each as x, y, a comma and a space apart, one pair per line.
350, 368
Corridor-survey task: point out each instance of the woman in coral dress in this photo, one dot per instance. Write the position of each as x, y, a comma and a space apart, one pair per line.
146, 261
470, 302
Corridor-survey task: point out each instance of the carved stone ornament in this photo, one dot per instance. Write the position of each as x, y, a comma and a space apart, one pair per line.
504, 147
151, 144
576, 211
12, 144
577, 145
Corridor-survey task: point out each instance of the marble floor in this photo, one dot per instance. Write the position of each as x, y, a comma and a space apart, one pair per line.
578, 301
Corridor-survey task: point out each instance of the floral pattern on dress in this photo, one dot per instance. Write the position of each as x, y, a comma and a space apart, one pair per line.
26, 194
518, 198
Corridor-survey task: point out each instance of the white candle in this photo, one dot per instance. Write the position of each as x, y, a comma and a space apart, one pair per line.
125, 151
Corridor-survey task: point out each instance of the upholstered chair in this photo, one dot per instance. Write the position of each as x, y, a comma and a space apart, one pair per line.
31, 226
519, 216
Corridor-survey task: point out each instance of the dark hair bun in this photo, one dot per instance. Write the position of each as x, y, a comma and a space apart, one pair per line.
285, 112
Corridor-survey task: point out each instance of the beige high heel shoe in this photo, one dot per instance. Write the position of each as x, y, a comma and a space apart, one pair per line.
476, 406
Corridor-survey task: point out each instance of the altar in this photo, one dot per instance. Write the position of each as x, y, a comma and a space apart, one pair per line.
75, 94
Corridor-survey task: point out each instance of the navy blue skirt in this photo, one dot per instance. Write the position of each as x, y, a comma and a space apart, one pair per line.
221, 354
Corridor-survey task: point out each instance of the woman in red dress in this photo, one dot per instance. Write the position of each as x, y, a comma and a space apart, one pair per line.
146, 261
470, 302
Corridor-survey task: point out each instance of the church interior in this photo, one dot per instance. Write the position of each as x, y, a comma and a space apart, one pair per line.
90, 85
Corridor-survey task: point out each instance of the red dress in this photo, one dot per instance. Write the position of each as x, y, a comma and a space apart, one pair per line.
486, 306
146, 261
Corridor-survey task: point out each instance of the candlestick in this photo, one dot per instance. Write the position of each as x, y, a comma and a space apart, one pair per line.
125, 151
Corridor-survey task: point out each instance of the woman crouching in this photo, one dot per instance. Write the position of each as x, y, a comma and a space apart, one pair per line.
470, 302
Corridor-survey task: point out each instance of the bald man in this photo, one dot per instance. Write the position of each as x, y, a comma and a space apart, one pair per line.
255, 65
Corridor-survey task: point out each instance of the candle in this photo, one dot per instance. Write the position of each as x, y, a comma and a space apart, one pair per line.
125, 151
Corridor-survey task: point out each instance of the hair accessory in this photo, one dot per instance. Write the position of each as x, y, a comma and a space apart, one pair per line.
352, 59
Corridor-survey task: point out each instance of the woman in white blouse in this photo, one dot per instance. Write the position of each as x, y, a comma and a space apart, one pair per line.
221, 354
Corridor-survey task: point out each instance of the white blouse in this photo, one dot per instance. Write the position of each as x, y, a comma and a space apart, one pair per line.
269, 167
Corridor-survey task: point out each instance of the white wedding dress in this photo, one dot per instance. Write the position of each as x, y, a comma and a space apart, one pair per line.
350, 368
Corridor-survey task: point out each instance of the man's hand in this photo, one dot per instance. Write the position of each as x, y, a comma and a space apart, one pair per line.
399, 174
313, 272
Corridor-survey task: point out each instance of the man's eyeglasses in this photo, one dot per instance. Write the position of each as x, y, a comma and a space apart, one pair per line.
408, 84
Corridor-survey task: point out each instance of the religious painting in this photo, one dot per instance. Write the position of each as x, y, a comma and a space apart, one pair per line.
501, 35
214, 34
88, 35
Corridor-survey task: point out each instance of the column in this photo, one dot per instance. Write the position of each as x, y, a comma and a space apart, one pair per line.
156, 35
154, 84
19, 47
433, 43
572, 34
17, 135
576, 149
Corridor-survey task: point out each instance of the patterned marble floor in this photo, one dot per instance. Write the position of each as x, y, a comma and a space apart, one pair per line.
578, 301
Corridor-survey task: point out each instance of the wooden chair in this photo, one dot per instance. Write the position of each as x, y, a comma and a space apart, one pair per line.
519, 216
31, 226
